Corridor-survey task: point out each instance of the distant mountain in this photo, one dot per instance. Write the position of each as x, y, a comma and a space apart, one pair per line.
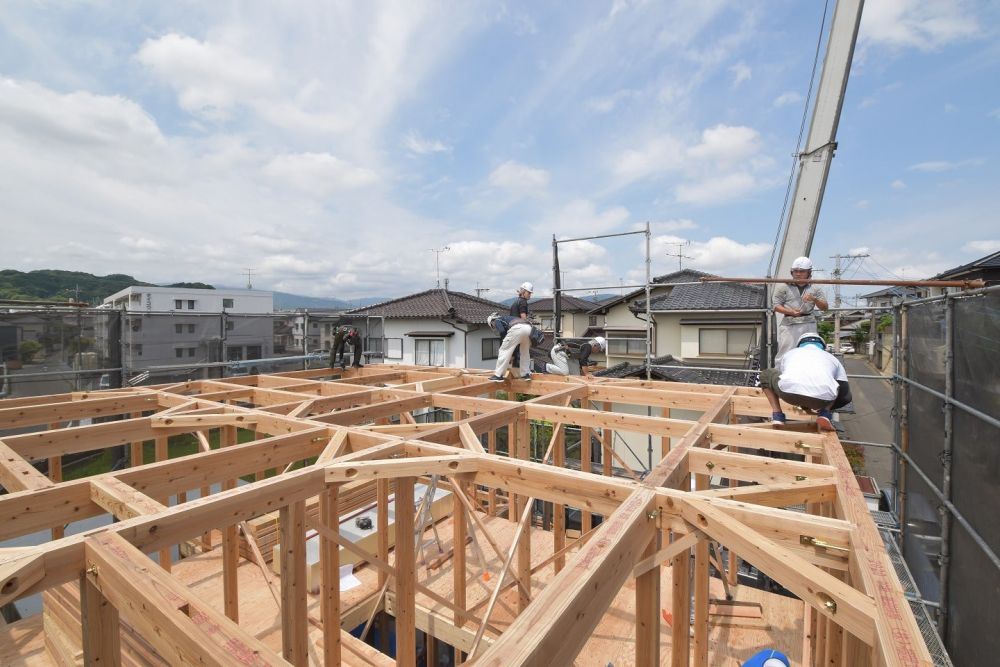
286, 301
56, 285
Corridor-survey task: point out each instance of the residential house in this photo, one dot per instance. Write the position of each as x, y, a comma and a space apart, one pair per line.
985, 268
171, 326
437, 327
890, 296
577, 317
706, 324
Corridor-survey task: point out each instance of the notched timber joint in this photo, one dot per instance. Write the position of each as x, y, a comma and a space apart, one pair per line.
810, 541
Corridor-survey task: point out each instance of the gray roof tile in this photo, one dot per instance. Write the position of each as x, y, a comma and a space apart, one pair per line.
435, 303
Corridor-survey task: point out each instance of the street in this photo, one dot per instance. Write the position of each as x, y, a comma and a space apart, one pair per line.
872, 420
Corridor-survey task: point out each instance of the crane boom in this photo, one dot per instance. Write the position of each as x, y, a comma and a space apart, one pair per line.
814, 160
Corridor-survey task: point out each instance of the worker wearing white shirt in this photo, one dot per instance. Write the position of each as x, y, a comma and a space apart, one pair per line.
810, 377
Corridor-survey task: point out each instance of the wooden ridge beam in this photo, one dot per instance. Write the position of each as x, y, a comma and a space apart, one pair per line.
409, 467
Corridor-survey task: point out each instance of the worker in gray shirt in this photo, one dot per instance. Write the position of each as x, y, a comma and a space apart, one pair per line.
797, 301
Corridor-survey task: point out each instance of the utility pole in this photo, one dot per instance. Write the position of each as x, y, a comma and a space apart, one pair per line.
437, 262
679, 254
837, 273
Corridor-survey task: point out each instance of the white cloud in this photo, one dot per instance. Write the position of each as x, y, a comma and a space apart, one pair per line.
787, 98
417, 144
921, 24
210, 78
985, 247
718, 254
937, 166
898, 184
139, 243
608, 103
860, 250
672, 226
319, 173
581, 217
741, 72
519, 178
716, 190
726, 144
661, 154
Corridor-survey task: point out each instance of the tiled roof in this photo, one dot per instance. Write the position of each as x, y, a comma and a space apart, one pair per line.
434, 303
692, 374
569, 304
991, 261
705, 296
892, 291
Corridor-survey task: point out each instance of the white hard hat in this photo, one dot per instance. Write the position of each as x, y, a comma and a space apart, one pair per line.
600, 341
526, 287
810, 337
802, 263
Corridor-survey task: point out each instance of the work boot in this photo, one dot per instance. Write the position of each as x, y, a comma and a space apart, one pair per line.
824, 419
777, 419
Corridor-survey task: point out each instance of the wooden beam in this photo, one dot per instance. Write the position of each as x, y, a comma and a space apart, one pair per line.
410, 467
165, 613
554, 629
329, 555
829, 596
199, 422
101, 639
782, 494
751, 468
16, 474
647, 614
121, 500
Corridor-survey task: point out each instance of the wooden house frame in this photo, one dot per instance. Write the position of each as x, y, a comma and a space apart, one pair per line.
321, 443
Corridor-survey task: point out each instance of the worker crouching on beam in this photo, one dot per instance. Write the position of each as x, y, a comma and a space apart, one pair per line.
809, 377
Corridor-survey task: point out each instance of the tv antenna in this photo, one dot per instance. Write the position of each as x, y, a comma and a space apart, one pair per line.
680, 253
437, 262
249, 275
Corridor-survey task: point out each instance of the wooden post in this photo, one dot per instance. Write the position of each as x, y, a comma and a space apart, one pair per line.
647, 613
491, 498
701, 581
329, 554
607, 443
665, 440
406, 629
382, 520
460, 533
680, 606
524, 563
586, 518
101, 635
230, 544
55, 474
522, 451
162, 453
294, 638
559, 509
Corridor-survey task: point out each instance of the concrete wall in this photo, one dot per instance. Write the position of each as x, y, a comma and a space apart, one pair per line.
163, 299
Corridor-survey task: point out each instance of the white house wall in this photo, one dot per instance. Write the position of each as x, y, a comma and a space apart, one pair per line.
461, 350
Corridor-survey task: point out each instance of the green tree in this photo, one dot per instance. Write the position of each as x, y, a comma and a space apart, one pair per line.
825, 329
28, 349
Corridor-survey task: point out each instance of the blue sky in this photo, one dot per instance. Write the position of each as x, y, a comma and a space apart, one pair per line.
331, 145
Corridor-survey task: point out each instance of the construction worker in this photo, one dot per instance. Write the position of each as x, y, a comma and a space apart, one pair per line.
797, 301
520, 306
599, 343
337, 352
354, 338
560, 361
809, 377
516, 333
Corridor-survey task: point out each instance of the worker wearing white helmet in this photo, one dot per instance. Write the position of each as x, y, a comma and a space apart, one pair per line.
810, 377
595, 344
797, 302
520, 306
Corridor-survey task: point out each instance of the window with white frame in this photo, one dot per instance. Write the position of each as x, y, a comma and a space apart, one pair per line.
627, 343
228, 303
393, 348
428, 352
724, 342
491, 348
548, 323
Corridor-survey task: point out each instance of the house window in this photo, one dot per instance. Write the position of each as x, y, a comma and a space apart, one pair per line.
627, 344
547, 323
428, 352
491, 348
724, 342
230, 325
136, 324
234, 353
179, 352
393, 348
227, 303
191, 351
178, 328
178, 304
592, 321
253, 352
190, 304
190, 328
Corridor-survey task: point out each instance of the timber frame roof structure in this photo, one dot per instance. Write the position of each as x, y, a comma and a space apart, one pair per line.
309, 446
